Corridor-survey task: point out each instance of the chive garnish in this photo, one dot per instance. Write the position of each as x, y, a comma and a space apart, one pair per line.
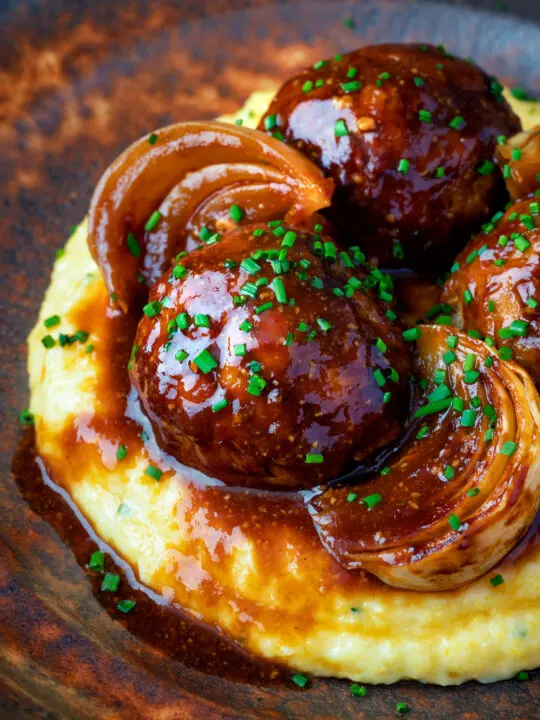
152, 309
341, 129
454, 522
371, 500
412, 334
496, 580
97, 561
314, 458
153, 221
121, 452
126, 606
133, 245
153, 472
300, 680
52, 321
220, 405
110, 582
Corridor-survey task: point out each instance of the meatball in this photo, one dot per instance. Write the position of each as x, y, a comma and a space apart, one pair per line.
269, 359
495, 285
408, 133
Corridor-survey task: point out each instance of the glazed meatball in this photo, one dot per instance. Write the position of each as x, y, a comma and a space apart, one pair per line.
269, 359
408, 134
495, 285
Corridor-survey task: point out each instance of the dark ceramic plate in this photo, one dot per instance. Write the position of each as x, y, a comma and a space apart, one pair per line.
79, 81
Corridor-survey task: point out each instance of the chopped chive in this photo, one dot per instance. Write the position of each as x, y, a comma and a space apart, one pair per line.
220, 405
153, 472
439, 376
133, 245
240, 350
454, 522
458, 404
379, 377
279, 290
485, 168
314, 459
412, 334
300, 680
473, 492
522, 675
470, 359
153, 221
532, 303
434, 407
152, 139
307, 86
97, 561
471, 376
496, 580
48, 342
341, 129
504, 353
205, 361
452, 341
121, 452
352, 86
152, 309
508, 448
468, 418
449, 472
418, 81
522, 244
516, 154
422, 433
110, 582
236, 213
201, 320
371, 500
458, 123
289, 339
468, 296
256, 385
402, 707
246, 326
126, 606
358, 690
449, 357
250, 266
324, 324
381, 345
387, 397
26, 418
52, 321
440, 172
403, 166
270, 122
424, 115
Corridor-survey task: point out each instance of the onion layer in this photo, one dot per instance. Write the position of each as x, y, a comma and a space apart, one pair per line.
190, 174
459, 495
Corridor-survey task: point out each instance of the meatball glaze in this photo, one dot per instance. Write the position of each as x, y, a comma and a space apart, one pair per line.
408, 133
495, 285
270, 359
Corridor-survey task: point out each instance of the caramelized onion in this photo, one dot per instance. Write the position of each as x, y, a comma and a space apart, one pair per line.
524, 174
454, 500
192, 173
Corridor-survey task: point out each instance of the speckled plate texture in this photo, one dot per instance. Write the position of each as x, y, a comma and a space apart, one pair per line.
78, 82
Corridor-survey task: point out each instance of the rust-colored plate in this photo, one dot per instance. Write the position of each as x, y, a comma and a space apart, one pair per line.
79, 82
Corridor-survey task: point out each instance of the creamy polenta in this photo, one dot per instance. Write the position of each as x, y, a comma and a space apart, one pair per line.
262, 576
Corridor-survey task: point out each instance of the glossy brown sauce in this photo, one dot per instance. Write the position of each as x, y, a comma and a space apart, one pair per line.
168, 629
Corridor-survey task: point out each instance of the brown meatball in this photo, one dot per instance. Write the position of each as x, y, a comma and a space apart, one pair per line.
267, 359
408, 134
495, 284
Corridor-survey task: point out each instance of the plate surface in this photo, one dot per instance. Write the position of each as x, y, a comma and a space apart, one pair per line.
78, 82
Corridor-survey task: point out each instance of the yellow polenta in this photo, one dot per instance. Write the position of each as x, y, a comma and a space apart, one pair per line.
301, 609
